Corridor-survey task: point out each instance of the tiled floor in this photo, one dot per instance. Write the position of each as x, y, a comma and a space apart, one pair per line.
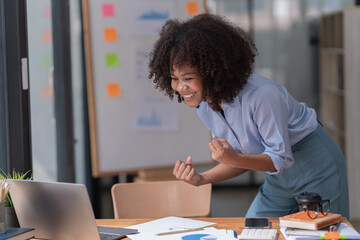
234, 202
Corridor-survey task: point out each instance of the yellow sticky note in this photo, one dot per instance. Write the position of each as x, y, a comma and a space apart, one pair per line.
113, 90
46, 36
110, 34
192, 8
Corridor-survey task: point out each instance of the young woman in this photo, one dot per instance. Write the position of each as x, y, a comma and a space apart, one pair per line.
256, 124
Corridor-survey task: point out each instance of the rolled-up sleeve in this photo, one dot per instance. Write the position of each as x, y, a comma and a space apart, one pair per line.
270, 113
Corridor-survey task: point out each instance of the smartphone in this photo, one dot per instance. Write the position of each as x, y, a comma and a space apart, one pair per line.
258, 222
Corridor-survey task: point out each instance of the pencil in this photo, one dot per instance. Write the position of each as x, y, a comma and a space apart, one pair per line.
180, 231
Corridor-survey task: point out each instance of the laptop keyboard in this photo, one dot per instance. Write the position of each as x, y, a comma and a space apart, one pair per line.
111, 233
109, 236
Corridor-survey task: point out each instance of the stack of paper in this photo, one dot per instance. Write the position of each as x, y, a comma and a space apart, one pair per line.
345, 231
149, 230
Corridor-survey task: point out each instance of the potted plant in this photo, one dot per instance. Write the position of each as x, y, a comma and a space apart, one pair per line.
10, 215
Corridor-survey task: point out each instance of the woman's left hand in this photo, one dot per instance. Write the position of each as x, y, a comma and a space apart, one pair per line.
222, 151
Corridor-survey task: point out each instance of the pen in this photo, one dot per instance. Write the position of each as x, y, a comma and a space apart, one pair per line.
179, 231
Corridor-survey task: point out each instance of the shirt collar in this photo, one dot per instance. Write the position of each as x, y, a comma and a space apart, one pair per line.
234, 104
225, 105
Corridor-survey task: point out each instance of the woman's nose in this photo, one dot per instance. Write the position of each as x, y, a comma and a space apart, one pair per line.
182, 86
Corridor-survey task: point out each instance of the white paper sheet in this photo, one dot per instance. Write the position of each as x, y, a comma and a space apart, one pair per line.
149, 229
141, 67
147, 17
206, 234
155, 113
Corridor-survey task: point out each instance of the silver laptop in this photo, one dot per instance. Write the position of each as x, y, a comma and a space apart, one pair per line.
58, 211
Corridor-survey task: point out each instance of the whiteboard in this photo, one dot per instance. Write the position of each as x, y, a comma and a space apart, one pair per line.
132, 125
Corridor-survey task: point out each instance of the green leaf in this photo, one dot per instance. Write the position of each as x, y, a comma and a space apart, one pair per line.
14, 175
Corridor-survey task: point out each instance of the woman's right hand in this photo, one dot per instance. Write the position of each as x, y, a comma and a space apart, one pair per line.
185, 172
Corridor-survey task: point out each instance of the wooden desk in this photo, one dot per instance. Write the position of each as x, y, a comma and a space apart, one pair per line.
233, 223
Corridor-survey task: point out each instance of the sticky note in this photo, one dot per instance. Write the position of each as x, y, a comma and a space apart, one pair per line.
113, 90
110, 34
108, 10
192, 8
46, 36
46, 91
332, 235
47, 61
111, 60
47, 11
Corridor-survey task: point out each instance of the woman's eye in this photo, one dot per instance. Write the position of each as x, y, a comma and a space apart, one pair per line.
174, 79
188, 79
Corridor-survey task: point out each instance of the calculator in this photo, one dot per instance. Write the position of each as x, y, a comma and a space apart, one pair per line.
258, 233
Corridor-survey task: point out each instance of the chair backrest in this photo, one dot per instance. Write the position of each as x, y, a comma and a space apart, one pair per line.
160, 199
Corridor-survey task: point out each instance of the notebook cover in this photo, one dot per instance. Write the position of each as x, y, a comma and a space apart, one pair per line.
303, 221
17, 233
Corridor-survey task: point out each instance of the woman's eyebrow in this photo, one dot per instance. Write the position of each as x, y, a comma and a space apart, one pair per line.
187, 73
183, 74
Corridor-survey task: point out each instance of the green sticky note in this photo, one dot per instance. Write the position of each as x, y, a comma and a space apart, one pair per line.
112, 60
47, 61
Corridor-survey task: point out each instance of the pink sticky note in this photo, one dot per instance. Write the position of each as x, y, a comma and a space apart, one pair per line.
108, 10
47, 11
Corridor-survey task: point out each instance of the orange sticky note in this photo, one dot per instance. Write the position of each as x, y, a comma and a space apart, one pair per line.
332, 235
192, 8
46, 91
110, 34
46, 36
113, 90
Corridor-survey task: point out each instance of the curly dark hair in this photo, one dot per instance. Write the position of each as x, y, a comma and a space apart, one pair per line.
222, 53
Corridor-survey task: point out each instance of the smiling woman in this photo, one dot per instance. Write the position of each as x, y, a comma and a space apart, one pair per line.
210, 46
255, 123
186, 81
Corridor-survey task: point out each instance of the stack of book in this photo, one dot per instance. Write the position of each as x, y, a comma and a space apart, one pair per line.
301, 224
13, 233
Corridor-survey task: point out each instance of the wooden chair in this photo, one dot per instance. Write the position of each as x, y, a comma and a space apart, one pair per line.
160, 199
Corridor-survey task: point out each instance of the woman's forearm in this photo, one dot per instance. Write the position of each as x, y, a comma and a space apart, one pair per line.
219, 173
259, 162
223, 152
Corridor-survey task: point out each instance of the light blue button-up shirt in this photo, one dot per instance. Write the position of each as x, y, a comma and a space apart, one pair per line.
264, 118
